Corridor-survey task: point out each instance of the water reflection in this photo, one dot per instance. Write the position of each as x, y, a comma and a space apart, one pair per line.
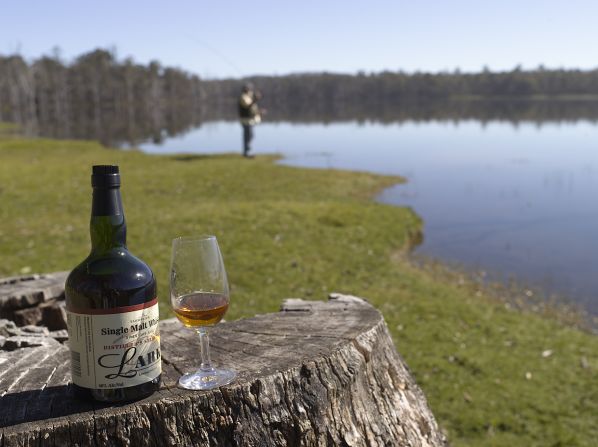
111, 129
123, 127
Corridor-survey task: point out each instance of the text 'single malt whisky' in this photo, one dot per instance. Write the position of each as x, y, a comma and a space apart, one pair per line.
112, 307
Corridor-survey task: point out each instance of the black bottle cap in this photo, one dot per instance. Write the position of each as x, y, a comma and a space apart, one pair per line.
105, 176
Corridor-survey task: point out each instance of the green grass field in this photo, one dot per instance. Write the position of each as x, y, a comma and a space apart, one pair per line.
289, 232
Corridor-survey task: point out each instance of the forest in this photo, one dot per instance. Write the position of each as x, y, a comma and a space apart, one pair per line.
99, 96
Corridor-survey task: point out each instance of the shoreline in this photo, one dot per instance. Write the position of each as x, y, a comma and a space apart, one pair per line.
514, 293
520, 293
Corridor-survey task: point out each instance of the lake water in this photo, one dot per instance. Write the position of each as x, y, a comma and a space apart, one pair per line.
516, 201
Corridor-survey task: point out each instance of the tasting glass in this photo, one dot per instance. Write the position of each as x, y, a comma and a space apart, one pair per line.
199, 296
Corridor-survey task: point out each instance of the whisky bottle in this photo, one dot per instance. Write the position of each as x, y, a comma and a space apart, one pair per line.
112, 307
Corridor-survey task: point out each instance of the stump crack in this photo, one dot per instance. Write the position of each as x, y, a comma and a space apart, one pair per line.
296, 334
44, 386
174, 365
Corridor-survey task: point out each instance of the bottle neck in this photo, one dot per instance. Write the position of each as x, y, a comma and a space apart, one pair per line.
107, 227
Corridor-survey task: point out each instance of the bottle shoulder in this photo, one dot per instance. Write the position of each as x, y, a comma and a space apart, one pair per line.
112, 278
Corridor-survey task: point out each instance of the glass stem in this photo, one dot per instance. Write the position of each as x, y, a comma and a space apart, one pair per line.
204, 341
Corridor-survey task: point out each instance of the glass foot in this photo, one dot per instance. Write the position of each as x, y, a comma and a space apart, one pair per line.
207, 379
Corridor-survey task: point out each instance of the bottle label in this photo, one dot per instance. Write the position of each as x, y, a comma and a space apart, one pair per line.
115, 348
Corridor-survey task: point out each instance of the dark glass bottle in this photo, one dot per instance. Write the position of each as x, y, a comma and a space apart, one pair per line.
112, 307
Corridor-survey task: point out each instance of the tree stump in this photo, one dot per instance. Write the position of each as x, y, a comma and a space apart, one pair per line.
316, 373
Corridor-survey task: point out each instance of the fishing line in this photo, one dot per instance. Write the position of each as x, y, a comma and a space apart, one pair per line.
216, 52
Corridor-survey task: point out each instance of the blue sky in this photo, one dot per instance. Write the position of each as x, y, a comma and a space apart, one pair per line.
236, 38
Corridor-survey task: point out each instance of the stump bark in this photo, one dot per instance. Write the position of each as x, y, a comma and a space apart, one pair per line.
316, 373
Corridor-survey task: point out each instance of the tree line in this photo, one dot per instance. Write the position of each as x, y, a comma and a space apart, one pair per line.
99, 96
329, 93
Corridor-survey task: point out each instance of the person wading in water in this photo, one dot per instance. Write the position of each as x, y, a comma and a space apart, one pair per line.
249, 114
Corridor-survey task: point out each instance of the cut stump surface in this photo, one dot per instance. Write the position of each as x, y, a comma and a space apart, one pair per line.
316, 373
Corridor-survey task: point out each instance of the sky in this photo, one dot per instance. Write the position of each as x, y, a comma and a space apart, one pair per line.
221, 38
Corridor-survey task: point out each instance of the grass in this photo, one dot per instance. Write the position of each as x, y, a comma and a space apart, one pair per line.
289, 232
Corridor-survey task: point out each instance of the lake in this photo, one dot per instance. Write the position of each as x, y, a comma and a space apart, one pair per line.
517, 201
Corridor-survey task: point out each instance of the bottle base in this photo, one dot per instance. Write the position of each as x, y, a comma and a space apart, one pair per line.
120, 395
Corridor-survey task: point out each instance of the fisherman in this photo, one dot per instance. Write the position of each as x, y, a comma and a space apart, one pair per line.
249, 115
